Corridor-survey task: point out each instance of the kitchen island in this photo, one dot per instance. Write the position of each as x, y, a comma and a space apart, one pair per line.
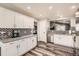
63, 38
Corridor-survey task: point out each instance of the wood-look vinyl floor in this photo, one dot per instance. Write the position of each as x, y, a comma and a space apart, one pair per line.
50, 49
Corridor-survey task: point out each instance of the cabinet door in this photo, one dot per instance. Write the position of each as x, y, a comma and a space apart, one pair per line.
11, 49
3, 51
19, 23
64, 40
34, 42
6, 18
57, 39
28, 22
22, 21
22, 47
31, 22
29, 43
77, 42
67, 40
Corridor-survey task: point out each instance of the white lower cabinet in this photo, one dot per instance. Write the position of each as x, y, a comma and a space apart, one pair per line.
66, 40
22, 46
34, 41
77, 42
29, 42
18, 47
11, 49
3, 51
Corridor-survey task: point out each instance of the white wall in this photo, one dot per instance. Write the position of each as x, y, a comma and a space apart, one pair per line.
42, 30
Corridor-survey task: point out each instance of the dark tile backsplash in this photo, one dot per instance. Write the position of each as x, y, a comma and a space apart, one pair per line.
8, 32
23, 32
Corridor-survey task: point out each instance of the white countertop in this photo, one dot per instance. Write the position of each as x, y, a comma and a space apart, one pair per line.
14, 39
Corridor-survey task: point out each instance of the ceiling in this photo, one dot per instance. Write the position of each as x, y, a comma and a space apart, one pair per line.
51, 11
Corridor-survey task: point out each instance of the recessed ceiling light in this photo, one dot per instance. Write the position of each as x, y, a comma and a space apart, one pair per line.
50, 7
28, 7
73, 7
40, 15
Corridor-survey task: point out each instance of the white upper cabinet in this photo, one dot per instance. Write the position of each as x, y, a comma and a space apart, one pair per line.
6, 18
18, 21
28, 22
11, 19
22, 21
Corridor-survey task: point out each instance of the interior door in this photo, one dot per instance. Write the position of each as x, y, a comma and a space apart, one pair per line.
42, 30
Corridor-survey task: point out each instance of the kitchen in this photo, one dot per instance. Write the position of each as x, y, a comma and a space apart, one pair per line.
29, 29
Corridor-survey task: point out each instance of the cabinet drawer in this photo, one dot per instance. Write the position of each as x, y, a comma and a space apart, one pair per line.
10, 43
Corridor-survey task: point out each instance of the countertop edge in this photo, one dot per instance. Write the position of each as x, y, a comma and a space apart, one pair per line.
15, 39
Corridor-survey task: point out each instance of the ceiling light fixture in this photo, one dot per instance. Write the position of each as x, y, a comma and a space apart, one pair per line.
40, 15
28, 7
73, 7
50, 7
